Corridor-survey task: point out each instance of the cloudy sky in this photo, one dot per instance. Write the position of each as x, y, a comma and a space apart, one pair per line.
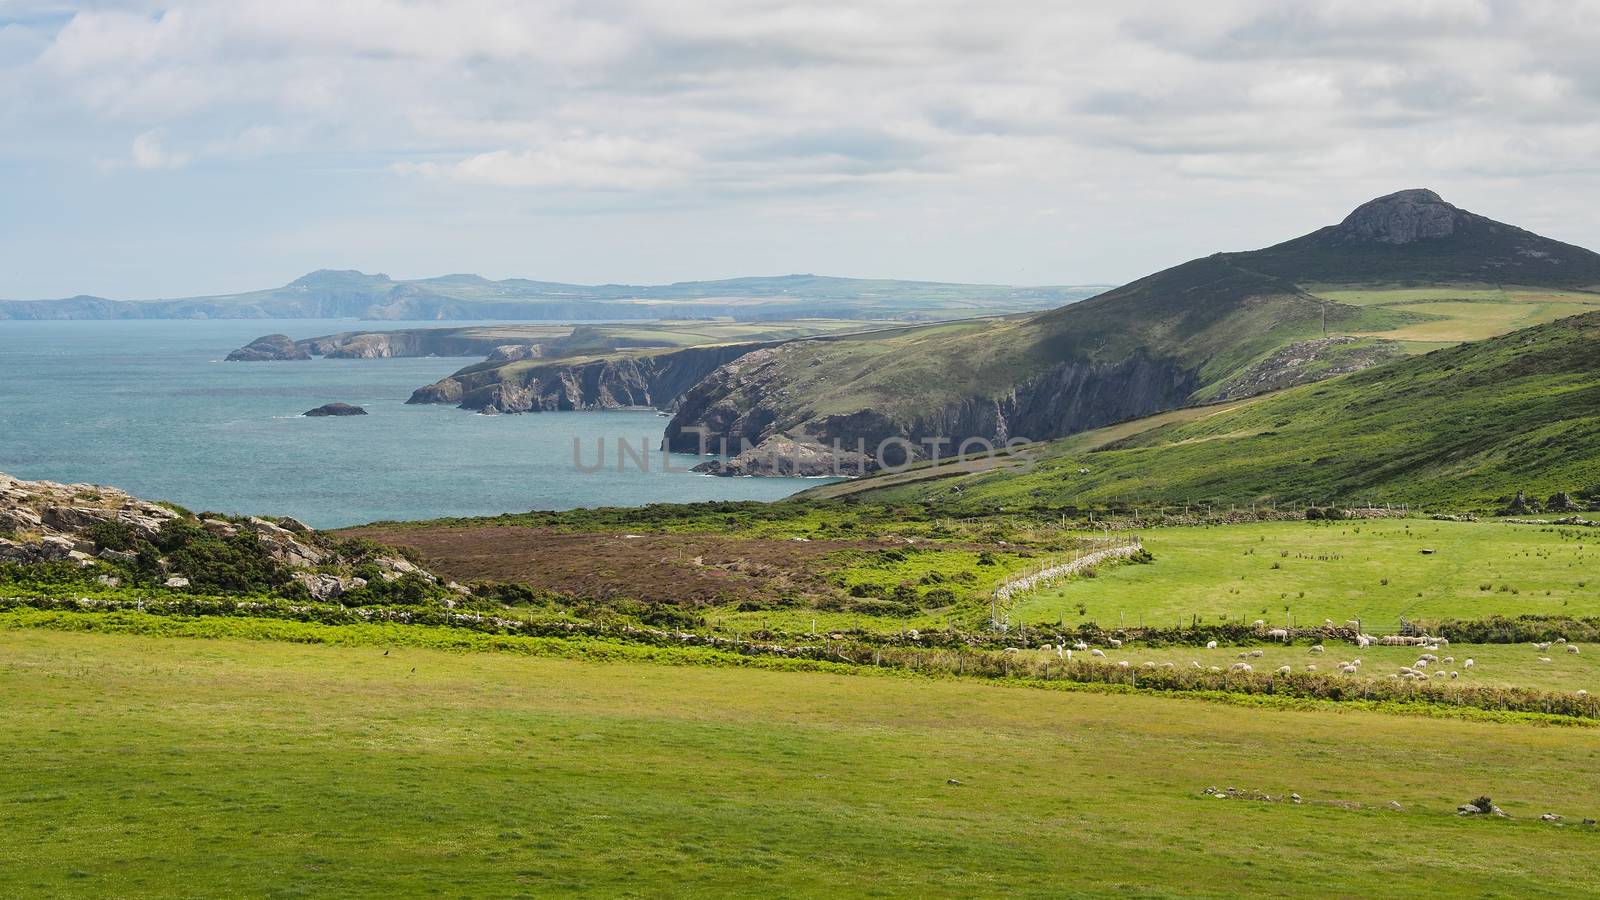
166, 149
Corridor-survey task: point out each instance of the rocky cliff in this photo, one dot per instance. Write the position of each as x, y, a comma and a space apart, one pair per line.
743, 410
617, 381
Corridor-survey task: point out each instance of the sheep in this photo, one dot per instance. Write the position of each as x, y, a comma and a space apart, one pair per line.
1455, 674
1167, 665
1284, 670
1069, 656
1097, 652
1468, 663
1257, 654
1573, 648
1363, 641
1279, 634
1544, 659
1122, 664
1311, 667
1259, 623
1115, 644
1582, 693
1211, 645
1542, 647
1214, 669
1080, 646
1348, 670
1420, 664
1317, 648
1444, 642
1241, 667
1356, 661
1449, 660
1196, 664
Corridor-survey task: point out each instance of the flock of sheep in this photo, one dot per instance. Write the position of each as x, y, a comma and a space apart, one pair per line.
1428, 660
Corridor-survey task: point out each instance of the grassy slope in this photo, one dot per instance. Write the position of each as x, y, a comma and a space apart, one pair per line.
1463, 425
261, 768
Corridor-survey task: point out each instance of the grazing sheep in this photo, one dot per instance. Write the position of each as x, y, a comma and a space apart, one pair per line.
1069, 656
1284, 670
1444, 642
1167, 665
1420, 664
1468, 664
1211, 645
1196, 664
1356, 661
1122, 664
1257, 654
1317, 648
1455, 674
1097, 652
1116, 644
1215, 669
1241, 667
1582, 693
1149, 664
1449, 660
1572, 648
1544, 659
1363, 641
1080, 645
1311, 667
1348, 670
1279, 634
1542, 647
1259, 623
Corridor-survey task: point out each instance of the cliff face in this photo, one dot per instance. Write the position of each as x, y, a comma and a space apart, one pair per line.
743, 409
612, 382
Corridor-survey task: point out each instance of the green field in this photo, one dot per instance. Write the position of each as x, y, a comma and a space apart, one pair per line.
272, 769
1311, 571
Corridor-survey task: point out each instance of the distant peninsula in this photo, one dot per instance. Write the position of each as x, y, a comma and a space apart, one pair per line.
340, 294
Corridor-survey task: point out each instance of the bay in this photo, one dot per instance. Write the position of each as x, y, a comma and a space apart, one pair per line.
150, 407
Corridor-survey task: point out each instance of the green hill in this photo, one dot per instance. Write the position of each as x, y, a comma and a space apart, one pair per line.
1467, 426
1229, 325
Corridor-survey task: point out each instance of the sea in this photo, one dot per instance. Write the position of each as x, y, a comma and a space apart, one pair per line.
150, 406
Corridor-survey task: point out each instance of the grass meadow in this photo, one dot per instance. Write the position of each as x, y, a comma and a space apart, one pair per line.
1372, 570
283, 769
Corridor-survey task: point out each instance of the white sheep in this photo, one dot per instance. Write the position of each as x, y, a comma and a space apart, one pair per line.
1215, 669
1069, 656
1311, 667
1317, 648
1572, 648
1542, 647
1348, 669
1420, 664
1449, 660
1455, 674
1244, 654
1115, 644
1257, 654
1097, 652
1582, 693
1241, 667
1284, 670
1196, 664
1122, 663
1211, 645
1363, 640
1080, 645
1544, 659
1468, 663
1167, 665
1259, 623
1356, 661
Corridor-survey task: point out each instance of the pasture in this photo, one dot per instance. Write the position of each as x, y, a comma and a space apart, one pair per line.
279, 769
1302, 573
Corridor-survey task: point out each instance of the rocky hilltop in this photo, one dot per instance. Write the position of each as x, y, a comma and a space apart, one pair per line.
136, 542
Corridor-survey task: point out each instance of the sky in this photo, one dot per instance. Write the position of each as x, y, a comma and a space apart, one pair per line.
183, 148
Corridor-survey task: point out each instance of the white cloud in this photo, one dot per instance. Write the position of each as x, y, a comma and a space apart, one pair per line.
743, 109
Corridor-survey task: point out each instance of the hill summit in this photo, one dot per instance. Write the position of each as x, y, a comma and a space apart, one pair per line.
1400, 218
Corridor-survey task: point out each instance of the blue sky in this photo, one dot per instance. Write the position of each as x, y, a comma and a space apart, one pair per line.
170, 149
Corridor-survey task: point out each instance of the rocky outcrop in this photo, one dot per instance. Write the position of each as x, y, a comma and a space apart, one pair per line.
1401, 218
334, 409
270, 347
43, 521
1307, 361
656, 380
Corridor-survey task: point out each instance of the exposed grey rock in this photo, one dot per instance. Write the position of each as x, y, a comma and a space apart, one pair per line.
176, 581
1401, 218
335, 409
269, 347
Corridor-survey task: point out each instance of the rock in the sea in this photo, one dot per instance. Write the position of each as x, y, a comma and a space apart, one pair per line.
336, 409
269, 347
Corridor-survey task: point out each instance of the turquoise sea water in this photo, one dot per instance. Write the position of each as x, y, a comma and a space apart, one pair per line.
149, 406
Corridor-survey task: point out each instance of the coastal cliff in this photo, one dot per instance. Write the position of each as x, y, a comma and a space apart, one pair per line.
745, 409
657, 380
